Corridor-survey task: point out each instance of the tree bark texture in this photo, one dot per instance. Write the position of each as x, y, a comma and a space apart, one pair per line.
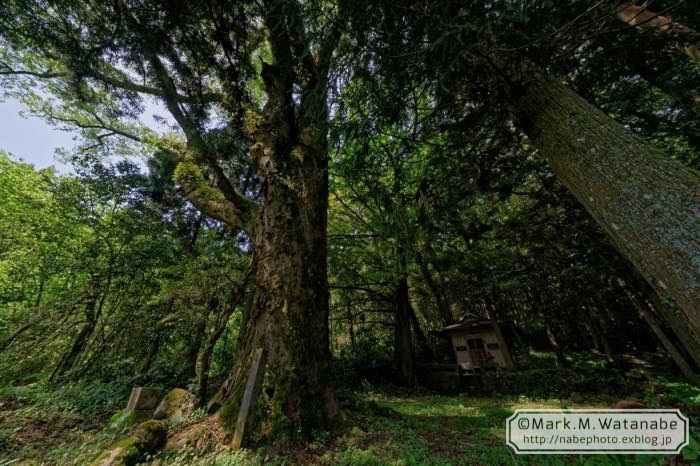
648, 204
289, 313
288, 316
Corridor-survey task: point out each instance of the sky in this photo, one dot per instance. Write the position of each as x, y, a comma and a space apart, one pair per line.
31, 139
34, 141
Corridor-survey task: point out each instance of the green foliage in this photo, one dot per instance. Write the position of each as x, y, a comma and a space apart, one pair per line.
94, 251
353, 362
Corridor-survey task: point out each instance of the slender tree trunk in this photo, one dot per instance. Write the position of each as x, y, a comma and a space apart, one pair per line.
403, 347
206, 355
79, 344
351, 325
421, 339
195, 343
648, 204
556, 347
684, 366
607, 347
12, 336
597, 323
150, 354
443, 306
595, 338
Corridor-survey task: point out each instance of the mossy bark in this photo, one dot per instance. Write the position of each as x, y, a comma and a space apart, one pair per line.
648, 204
288, 317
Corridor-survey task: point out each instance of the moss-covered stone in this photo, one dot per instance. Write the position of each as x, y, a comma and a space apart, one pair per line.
148, 437
176, 407
136, 417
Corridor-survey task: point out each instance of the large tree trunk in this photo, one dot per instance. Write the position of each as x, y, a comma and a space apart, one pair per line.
648, 204
288, 318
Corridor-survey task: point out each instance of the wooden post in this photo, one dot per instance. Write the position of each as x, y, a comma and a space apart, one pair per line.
257, 370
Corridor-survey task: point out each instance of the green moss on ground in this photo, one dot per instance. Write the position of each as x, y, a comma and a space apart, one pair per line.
145, 439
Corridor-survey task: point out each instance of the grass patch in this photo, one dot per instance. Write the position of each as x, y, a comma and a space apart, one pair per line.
381, 428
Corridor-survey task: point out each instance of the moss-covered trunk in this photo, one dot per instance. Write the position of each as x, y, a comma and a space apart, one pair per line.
288, 316
647, 203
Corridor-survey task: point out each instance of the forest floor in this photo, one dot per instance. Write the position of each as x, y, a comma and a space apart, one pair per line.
388, 427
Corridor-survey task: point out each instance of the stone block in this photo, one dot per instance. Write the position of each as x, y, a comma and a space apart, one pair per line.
143, 399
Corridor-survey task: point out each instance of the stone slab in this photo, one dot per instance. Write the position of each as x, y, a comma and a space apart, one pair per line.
143, 398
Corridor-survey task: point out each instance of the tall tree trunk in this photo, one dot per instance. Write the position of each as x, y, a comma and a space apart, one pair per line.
556, 347
441, 302
199, 329
596, 323
648, 204
288, 317
351, 325
595, 336
403, 347
153, 348
423, 345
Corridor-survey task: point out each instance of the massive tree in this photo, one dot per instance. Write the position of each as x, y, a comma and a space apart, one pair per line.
245, 84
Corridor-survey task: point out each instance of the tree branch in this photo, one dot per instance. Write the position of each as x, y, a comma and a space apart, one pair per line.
225, 203
685, 39
124, 84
